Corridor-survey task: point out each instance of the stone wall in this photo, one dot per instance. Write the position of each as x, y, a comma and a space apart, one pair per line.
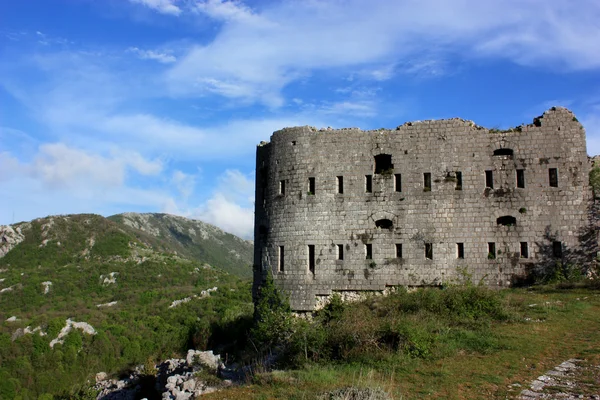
301, 213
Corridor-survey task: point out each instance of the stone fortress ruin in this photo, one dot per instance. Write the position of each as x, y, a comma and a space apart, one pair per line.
346, 210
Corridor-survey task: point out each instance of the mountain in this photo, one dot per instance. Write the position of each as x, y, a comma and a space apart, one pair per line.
190, 239
80, 294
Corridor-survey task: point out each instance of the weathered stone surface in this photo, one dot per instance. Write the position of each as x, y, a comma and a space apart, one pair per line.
299, 204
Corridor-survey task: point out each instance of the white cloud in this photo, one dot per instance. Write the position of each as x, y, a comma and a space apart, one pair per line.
230, 205
228, 215
58, 167
258, 52
225, 10
9, 166
185, 183
161, 57
162, 6
356, 108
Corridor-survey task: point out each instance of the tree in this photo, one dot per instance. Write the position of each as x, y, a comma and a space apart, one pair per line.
272, 316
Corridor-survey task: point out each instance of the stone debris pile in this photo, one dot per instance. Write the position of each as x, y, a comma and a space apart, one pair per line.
176, 379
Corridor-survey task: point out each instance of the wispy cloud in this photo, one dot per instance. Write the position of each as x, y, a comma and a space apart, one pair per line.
161, 57
258, 52
162, 6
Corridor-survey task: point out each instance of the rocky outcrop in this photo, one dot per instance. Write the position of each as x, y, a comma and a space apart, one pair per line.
10, 237
203, 294
176, 379
84, 326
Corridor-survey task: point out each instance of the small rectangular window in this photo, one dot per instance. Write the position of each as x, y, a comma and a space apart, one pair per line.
368, 251
491, 250
282, 187
427, 182
398, 250
311, 185
340, 251
524, 250
368, 183
553, 176
340, 184
458, 181
311, 258
557, 249
281, 264
398, 182
520, 178
429, 251
460, 250
489, 179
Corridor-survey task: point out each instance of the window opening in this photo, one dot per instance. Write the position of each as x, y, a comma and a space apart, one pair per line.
427, 182
340, 184
311, 185
398, 182
491, 250
458, 181
524, 250
503, 152
368, 251
398, 250
383, 164
281, 264
311, 258
340, 251
489, 179
553, 176
368, 183
557, 249
429, 251
506, 220
460, 250
282, 187
520, 178
384, 224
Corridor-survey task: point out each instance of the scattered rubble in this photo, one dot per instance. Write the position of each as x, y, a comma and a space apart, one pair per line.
112, 303
46, 285
8, 289
27, 331
176, 379
109, 279
203, 294
84, 326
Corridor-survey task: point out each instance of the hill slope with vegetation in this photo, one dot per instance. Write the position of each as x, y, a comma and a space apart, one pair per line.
191, 239
81, 294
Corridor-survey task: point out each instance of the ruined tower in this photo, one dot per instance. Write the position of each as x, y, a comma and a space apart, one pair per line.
352, 210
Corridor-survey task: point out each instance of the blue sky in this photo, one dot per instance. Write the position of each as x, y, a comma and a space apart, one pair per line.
157, 105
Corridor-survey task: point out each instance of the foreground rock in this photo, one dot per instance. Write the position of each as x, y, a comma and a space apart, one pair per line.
570, 380
176, 379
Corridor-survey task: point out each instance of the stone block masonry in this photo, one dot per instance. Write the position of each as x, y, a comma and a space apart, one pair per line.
350, 210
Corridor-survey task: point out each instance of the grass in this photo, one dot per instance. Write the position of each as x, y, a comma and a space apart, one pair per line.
467, 362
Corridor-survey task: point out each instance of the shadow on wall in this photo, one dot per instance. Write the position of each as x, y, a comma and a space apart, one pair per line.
557, 262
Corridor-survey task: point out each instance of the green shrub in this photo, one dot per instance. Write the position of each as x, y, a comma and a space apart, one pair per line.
595, 180
272, 317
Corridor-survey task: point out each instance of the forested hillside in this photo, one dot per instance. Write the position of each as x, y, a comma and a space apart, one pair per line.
81, 294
